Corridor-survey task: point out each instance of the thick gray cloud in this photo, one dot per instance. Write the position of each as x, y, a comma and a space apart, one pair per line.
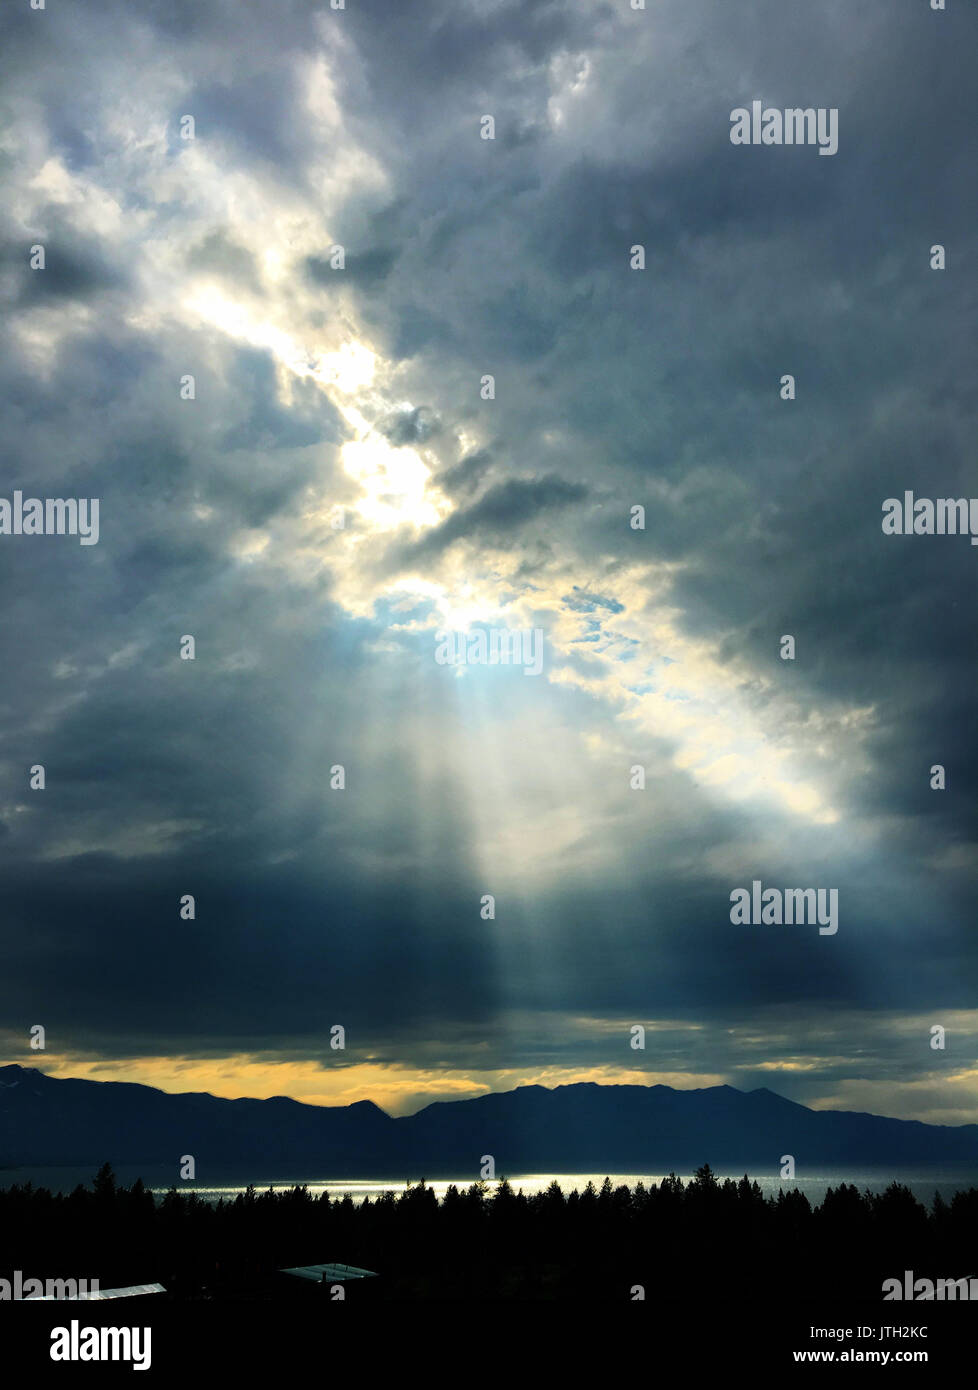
614, 388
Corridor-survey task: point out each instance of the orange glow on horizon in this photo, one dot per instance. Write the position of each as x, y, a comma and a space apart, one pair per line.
398, 1090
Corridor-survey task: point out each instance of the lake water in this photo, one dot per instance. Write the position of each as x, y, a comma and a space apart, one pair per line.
922, 1183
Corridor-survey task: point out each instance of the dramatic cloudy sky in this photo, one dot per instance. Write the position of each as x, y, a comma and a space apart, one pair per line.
359, 389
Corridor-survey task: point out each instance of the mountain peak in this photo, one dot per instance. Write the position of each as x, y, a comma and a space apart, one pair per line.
13, 1073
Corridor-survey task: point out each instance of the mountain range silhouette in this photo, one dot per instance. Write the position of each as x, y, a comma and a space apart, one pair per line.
579, 1128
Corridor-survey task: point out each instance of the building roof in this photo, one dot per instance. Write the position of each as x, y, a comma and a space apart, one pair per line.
332, 1274
133, 1291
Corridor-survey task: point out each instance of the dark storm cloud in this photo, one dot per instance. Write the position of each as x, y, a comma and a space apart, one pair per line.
503, 509
418, 51
219, 252
410, 426
365, 268
259, 116
71, 270
465, 476
812, 262
269, 426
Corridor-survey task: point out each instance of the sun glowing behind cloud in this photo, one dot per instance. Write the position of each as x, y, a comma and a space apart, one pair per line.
393, 483
652, 676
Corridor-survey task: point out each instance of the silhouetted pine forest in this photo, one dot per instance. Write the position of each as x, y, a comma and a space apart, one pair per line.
715, 1238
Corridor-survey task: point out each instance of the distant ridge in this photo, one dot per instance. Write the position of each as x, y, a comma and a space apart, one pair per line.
583, 1127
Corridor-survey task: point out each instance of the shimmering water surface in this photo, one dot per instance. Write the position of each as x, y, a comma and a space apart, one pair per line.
923, 1184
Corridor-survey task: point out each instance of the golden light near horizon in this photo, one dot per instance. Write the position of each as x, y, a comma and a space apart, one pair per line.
398, 1089
402, 1089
